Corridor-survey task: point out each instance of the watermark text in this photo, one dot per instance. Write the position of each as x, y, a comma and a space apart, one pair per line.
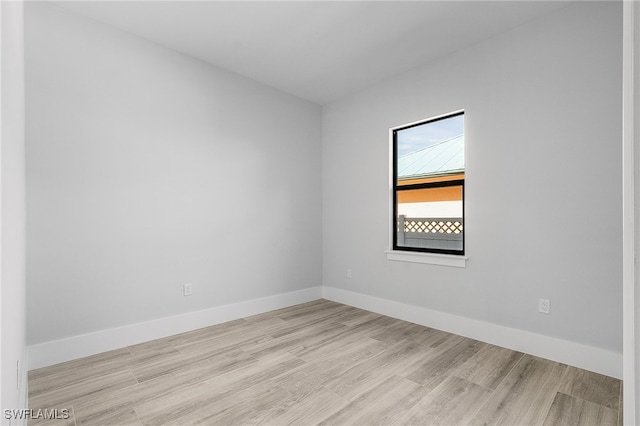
43, 414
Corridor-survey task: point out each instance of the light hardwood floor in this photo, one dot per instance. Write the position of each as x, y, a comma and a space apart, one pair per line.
322, 363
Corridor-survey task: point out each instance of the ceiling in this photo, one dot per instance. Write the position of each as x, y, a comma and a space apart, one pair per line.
316, 50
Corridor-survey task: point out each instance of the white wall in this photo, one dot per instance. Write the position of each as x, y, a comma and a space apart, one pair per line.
542, 128
12, 213
148, 169
636, 132
630, 219
631, 389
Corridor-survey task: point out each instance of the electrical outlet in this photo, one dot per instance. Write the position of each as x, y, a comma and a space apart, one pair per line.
544, 306
349, 274
186, 289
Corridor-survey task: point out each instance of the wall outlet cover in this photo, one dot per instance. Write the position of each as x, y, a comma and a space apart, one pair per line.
544, 306
187, 289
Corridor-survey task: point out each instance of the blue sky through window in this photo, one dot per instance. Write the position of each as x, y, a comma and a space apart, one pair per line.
419, 137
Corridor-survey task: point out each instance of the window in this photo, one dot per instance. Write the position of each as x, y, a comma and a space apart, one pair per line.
428, 186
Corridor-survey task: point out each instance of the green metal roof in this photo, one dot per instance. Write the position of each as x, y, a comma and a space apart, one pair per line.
442, 158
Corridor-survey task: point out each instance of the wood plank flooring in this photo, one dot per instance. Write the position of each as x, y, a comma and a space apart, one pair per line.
322, 363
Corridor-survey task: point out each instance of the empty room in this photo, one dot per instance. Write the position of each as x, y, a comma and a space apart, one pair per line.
319, 212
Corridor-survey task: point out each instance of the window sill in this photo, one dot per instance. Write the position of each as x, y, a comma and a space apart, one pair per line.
429, 258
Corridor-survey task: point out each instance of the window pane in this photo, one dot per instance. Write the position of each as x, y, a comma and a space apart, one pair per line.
429, 173
430, 149
430, 218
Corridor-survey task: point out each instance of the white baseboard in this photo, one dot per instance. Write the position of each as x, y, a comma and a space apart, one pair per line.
578, 355
57, 351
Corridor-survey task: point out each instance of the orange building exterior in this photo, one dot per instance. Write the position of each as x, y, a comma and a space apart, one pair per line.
449, 193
